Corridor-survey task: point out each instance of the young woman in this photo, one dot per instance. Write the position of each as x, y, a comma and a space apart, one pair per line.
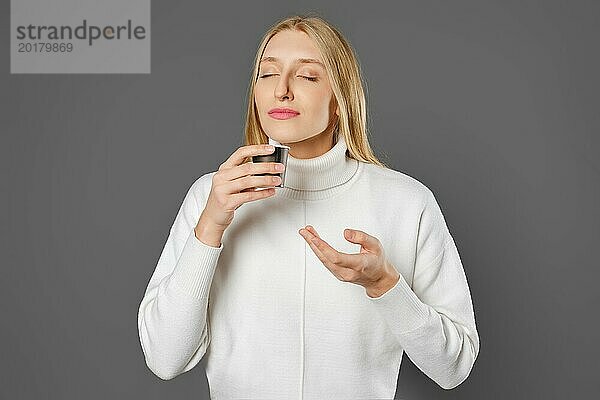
316, 290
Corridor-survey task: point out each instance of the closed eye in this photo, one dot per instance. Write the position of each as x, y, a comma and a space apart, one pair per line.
310, 78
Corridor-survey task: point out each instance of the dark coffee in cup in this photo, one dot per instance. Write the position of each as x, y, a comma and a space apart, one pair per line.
280, 155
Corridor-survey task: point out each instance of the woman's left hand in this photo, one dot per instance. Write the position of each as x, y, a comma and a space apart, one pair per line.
369, 268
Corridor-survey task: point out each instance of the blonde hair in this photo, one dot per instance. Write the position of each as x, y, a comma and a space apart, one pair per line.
344, 75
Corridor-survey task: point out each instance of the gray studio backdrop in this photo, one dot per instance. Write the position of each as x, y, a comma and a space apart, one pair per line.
491, 104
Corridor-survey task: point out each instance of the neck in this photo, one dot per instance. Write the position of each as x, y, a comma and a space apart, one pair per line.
320, 177
312, 147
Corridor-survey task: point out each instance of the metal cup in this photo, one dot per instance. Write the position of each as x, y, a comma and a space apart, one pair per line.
280, 155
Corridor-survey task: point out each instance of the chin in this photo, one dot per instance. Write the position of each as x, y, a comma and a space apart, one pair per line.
287, 140
280, 138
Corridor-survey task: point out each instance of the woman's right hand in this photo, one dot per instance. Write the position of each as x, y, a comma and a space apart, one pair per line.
233, 185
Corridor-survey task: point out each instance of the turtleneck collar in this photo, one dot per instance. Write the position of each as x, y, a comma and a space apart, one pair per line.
320, 177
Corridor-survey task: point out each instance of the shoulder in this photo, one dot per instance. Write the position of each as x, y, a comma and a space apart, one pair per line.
398, 183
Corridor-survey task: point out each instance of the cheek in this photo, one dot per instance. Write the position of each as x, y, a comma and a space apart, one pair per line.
259, 97
321, 104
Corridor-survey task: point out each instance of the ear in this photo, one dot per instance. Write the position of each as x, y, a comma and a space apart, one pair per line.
337, 111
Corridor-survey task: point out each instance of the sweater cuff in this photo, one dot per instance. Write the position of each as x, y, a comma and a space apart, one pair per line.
195, 268
401, 308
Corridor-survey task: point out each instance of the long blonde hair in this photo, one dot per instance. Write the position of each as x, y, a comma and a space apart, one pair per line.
344, 75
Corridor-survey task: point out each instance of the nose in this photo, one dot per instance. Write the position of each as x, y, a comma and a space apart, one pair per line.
283, 89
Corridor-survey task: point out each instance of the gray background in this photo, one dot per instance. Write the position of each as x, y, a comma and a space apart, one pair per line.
492, 104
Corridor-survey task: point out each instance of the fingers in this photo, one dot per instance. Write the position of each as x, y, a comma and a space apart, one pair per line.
260, 169
343, 266
240, 155
327, 254
312, 230
250, 182
251, 195
367, 241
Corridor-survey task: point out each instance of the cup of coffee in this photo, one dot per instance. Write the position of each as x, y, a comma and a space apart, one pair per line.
280, 155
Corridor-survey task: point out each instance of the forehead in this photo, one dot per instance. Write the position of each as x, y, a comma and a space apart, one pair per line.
291, 47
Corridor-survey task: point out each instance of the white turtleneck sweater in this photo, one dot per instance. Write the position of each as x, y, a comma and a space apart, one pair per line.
274, 323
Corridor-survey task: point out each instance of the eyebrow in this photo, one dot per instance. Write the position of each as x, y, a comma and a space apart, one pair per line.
298, 60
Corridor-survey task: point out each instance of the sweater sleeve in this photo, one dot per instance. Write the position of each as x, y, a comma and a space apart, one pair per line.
172, 317
434, 320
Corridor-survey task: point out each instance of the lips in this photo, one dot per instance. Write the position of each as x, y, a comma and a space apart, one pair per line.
283, 113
